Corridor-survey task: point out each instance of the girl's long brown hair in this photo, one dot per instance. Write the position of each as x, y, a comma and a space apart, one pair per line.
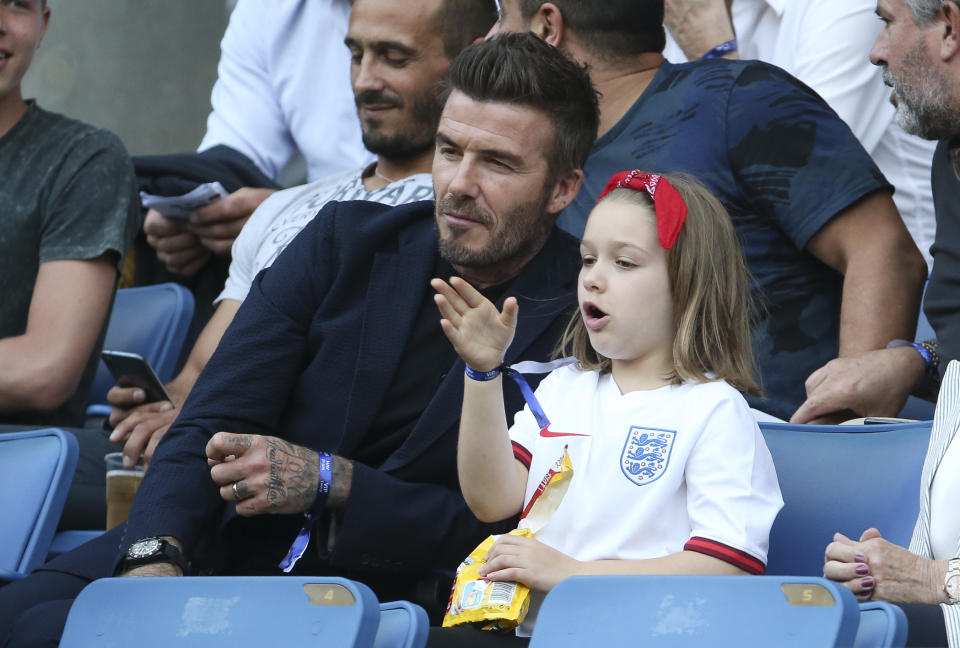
710, 286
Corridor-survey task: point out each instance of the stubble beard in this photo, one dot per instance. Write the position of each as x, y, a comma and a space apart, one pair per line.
926, 107
523, 229
412, 139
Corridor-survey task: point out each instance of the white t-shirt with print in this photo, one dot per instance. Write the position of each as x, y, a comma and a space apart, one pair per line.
281, 217
682, 466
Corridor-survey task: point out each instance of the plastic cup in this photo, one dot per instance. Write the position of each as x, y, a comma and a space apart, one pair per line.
122, 485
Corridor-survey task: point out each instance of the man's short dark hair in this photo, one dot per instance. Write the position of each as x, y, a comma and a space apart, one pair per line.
610, 29
523, 70
460, 22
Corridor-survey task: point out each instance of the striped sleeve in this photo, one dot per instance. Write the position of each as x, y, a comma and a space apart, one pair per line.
951, 616
522, 454
945, 421
735, 557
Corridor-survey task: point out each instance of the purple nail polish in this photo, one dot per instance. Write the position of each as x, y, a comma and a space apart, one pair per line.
867, 583
863, 570
860, 558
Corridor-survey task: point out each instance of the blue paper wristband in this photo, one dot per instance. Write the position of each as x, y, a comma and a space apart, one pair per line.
482, 376
325, 468
721, 49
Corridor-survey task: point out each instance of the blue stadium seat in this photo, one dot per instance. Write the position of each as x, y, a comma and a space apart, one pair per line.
223, 611
36, 468
681, 611
882, 625
842, 478
150, 320
402, 625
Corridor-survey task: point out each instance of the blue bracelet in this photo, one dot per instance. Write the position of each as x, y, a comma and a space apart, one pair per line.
927, 358
483, 376
721, 49
928, 363
325, 468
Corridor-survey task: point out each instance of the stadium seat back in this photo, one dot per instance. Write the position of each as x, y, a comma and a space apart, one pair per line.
681, 611
402, 625
150, 320
36, 468
223, 611
842, 478
882, 625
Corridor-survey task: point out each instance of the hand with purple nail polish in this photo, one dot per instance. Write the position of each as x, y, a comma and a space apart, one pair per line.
873, 568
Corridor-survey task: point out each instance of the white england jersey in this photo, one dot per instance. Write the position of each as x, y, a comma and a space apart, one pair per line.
658, 471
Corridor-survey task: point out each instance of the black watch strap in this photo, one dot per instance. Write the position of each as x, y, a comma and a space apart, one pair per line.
154, 550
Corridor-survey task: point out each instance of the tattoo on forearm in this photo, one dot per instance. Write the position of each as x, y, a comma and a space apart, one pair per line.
342, 477
293, 476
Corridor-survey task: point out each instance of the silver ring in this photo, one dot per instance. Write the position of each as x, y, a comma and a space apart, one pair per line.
237, 491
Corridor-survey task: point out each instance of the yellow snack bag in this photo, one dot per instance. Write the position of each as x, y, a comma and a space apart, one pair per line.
504, 604
477, 599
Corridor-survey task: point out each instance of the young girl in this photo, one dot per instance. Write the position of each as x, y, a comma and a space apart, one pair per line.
671, 474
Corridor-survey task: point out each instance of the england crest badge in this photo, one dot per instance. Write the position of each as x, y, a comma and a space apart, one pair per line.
646, 454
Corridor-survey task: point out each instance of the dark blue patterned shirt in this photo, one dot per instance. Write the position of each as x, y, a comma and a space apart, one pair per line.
782, 163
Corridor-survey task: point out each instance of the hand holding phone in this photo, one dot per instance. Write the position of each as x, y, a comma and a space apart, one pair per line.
133, 370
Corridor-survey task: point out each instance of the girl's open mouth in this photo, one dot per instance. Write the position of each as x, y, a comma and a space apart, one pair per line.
593, 317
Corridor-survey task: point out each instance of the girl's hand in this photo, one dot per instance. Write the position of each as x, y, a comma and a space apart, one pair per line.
528, 561
479, 334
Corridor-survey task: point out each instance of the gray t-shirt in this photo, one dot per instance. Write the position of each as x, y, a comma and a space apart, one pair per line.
68, 192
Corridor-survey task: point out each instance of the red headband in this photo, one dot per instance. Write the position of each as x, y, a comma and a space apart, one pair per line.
668, 204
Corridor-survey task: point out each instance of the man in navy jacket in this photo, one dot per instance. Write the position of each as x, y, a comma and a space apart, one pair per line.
338, 349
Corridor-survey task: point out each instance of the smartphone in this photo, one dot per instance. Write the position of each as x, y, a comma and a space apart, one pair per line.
133, 370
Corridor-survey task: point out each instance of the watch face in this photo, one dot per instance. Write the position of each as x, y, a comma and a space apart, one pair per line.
144, 548
951, 582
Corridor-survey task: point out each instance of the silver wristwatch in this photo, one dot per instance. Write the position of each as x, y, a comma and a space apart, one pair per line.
951, 581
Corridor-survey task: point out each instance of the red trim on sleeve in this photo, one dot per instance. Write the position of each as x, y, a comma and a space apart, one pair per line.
735, 557
521, 454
